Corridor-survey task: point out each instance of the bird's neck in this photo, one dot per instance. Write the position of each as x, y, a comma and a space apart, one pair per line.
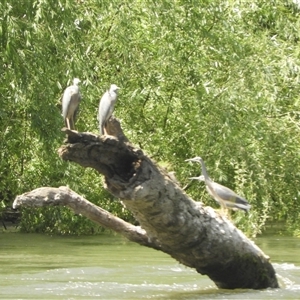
113, 94
204, 171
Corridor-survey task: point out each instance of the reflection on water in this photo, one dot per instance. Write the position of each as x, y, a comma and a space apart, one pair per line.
108, 267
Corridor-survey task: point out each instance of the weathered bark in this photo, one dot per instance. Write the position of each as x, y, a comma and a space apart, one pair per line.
50, 196
172, 222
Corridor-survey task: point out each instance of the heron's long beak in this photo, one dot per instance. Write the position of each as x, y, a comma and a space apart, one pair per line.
190, 159
200, 178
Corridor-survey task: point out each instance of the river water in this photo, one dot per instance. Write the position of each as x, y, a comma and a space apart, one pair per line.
36, 266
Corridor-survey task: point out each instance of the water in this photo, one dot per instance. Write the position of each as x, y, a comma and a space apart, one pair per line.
108, 267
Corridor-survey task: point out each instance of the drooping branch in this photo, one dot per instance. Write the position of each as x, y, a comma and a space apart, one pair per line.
196, 236
49, 196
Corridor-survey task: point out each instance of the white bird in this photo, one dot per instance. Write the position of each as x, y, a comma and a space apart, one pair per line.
106, 107
70, 103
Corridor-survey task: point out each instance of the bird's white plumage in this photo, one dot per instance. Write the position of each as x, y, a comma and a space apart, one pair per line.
70, 103
106, 106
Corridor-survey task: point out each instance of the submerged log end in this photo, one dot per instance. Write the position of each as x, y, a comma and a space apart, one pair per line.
253, 273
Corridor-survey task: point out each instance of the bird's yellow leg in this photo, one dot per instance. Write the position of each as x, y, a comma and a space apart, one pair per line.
224, 211
227, 214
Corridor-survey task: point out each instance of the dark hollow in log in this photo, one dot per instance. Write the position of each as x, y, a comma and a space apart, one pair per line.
195, 235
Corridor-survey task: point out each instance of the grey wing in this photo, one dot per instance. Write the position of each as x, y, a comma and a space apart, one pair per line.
66, 101
77, 108
227, 194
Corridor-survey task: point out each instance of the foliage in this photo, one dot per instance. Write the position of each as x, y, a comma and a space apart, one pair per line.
220, 80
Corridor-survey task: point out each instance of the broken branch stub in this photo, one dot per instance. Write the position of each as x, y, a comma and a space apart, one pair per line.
196, 236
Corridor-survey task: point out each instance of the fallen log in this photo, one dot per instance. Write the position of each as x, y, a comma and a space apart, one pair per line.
170, 221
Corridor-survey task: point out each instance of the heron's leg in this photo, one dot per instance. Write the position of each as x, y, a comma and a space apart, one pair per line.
72, 123
224, 210
101, 129
68, 123
104, 129
226, 213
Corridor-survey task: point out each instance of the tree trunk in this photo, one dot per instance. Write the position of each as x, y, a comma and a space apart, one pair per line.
170, 220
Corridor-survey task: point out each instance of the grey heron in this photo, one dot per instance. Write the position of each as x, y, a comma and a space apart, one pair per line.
223, 195
70, 103
106, 107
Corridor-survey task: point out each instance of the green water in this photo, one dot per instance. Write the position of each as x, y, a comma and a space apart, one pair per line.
108, 267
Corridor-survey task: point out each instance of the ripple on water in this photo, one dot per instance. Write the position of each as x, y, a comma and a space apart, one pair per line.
288, 275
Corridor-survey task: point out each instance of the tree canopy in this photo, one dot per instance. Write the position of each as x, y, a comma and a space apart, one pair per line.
218, 79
